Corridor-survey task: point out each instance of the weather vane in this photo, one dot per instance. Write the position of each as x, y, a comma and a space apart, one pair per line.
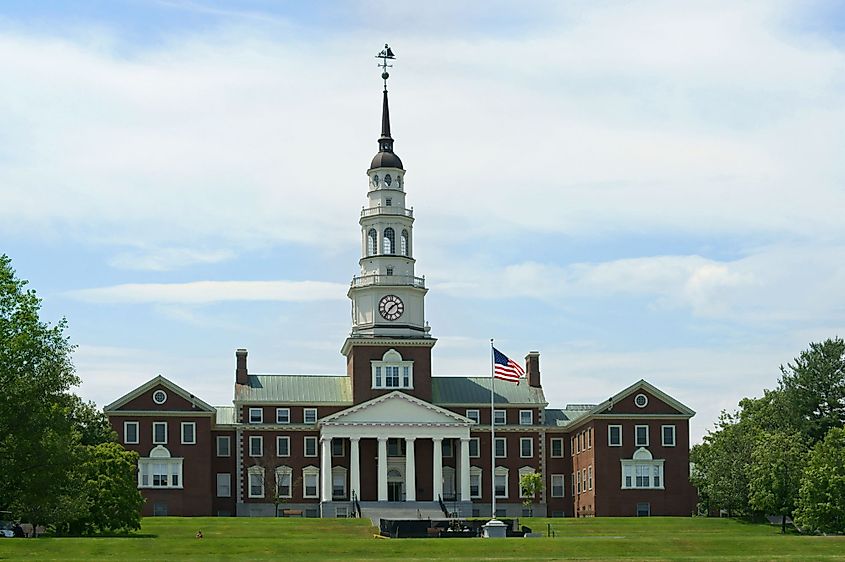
384, 55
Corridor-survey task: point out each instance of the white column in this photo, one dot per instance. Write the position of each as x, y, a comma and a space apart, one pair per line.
464, 468
354, 468
410, 471
437, 475
326, 468
382, 469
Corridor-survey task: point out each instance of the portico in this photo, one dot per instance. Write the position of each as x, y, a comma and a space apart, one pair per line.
397, 423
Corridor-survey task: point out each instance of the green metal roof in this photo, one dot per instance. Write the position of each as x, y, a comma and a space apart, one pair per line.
476, 390
286, 389
225, 415
560, 418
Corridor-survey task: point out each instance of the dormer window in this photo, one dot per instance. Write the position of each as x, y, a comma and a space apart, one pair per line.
392, 372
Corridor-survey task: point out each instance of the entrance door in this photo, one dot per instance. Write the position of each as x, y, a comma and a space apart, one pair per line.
394, 492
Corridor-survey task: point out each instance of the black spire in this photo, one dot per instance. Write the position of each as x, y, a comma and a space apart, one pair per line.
385, 158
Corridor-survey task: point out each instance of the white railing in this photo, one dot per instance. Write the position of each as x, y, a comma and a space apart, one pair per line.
386, 211
367, 280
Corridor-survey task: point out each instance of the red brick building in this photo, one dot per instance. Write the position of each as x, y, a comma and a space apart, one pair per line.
389, 434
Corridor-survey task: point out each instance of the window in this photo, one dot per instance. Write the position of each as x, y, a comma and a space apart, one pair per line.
501, 447
389, 270
590, 438
572, 445
310, 478
396, 447
284, 478
526, 447
392, 371
338, 448
578, 479
643, 509
641, 435
159, 433
475, 482
159, 397
389, 241
159, 470
668, 433
255, 482
338, 483
500, 417
474, 416
372, 244
474, 448
557, 447
641, 400
573, 484
403, 243
526, 417
256, 415
282, 415
501, 482
189, 433
642, 471
310, 446
256, 446
581, 445
590, 477
523, 471
130, 432
558, 485
224, 485
388, 202
448, 449
223, 449
614, 436
583, 479
309, 415
282, 446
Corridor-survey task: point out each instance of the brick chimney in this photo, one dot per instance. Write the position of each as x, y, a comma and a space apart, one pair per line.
532, 368
240, 366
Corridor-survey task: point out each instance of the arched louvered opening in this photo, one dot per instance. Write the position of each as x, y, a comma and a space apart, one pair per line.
372, 242
389, 241
404, 247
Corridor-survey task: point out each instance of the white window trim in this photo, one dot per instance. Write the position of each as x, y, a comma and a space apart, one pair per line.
305, 441
255, 470
279, 439
392, 358
337, 471
126, 425
342, 442
552, 448
663, 436
636, 436
530, 417
447, 447
285, 471
636, 398
165, 424
476, 471
632, 463
503, 413
477, 442
260, 415
504, 447
305, 415
259, 439
158, 391
590, 438
609, 441
159, 456
193, 432
530, 441
562, 486
221, 438
501, 471
228, 485
590, 477
524, 470
279, 411
310, 471
474, 415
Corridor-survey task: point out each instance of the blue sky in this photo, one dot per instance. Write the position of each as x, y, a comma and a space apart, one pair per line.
637, 190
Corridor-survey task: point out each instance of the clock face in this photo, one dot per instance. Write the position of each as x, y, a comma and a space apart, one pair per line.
391, 307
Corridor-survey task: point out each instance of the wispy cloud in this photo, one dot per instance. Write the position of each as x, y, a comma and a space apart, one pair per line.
166, 259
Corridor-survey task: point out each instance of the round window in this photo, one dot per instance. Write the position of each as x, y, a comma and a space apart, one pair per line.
159, 397
641, 400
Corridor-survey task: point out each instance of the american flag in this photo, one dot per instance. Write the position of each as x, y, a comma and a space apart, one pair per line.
505, 368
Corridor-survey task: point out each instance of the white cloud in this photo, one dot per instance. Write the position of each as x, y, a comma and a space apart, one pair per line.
166, 259
203, 292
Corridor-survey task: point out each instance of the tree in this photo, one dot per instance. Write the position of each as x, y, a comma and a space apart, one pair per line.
111, 490
530, 484
814, 388
90, 422
821, 502
777, 463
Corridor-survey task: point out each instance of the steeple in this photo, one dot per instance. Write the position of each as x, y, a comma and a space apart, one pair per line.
385, 158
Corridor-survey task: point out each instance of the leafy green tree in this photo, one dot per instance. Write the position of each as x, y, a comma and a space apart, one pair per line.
530, 484
813, 386
777, 464
111, 491
90, 422
821, 503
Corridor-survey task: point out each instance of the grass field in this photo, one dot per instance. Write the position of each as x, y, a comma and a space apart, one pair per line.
654, 538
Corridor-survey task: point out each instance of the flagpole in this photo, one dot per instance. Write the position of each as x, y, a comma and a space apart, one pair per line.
492, 430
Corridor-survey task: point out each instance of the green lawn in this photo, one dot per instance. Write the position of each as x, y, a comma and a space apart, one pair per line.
655, 538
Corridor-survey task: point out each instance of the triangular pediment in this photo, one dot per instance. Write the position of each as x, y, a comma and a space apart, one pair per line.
396, 407
182, 400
